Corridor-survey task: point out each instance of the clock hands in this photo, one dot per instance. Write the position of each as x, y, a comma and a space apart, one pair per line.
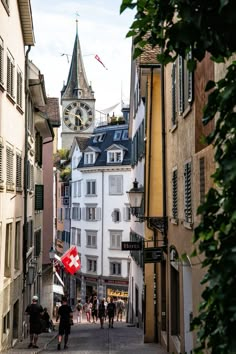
76, 115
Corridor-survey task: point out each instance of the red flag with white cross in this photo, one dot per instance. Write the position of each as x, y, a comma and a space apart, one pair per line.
71, 260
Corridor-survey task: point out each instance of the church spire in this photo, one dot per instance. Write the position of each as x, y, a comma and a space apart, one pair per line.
77, 85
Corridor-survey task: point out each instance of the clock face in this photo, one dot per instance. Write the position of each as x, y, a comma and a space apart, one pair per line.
78, 116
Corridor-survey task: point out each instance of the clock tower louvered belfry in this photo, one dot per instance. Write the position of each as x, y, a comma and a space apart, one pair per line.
77, 99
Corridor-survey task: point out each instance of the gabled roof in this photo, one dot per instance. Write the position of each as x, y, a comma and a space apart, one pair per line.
107, 144
92, 149
116, 147
81, 142
51, 109
26, 21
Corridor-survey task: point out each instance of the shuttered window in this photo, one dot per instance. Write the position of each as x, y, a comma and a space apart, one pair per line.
115, 268
181, 84
31, 177
116, 185
185, 79
18, 172
187, 192
76, 214
173, 77
19, 88
10, 75
37, 243
116, 215
29, 234
1, 61
38, 149
91, 237
174, 195
202, 179
39, 197
115, 239
9, 168
8, 251
17, 255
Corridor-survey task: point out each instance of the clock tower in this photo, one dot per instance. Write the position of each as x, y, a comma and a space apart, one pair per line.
77, 100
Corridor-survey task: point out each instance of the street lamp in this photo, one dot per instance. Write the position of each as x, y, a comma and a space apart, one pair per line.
135, 196
52, 253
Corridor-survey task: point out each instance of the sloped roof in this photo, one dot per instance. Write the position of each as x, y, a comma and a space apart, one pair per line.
82, 142
108, 141
51, 109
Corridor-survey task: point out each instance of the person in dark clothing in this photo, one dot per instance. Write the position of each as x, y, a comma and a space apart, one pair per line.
101, 313
47, 322
35, 312
65, 314
111, 310
95, 309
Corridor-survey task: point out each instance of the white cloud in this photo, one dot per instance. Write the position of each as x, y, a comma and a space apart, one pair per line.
101, 31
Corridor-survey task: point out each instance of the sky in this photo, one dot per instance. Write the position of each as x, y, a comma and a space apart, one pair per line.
102, 31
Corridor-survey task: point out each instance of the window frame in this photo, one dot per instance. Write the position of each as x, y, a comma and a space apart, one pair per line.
91, 238
115, 239
112, 156
91, 187
117, 266
114, 187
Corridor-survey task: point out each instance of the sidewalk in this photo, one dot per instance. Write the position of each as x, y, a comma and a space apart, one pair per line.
43, 341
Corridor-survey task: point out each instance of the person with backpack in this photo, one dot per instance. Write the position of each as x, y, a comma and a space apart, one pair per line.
35, 312
79, 308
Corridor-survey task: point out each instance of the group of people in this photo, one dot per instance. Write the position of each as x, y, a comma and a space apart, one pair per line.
39, 318
95, 309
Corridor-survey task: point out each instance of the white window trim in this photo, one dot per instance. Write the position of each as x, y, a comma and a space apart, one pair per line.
112, 156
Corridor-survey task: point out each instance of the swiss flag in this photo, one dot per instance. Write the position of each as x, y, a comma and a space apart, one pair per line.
71, 260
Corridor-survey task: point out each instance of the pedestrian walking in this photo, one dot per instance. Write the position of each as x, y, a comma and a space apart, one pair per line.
105, 304
111, 310
119, 309
87, 309
79, 308
65, 314
35, 311
95, 309
101, 313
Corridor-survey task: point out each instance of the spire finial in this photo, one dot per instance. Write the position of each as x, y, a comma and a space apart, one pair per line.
77, 15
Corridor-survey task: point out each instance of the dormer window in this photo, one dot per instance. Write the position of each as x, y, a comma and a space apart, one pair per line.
125, 135
95, 139
114, 156
101, 137
117, 135
89, 158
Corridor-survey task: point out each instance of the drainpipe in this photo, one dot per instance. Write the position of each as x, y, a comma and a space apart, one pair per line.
102, 229
25, 230
164, 189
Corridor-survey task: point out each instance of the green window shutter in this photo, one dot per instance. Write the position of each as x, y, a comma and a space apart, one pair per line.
37, 243
39, 197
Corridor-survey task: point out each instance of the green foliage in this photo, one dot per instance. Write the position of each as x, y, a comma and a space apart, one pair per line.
178, 27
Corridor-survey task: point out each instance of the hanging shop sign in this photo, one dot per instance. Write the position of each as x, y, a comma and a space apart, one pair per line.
117, 293
131, 246
153, 255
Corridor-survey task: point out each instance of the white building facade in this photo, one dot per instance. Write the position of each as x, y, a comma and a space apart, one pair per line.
100, 213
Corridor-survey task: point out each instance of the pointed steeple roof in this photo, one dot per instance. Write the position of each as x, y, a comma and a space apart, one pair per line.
77, 84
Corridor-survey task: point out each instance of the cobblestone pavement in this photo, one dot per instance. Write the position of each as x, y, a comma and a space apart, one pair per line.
89, 338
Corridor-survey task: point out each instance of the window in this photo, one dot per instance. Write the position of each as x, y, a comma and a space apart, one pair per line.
1, 160
75, 236
202, 179
127, 213
38, 149
91, 188
117, 135
91, 213
37, 243
10, 75
29, 234
101, 137
187, 193
185, 84
89, 158
125, 135
30, 176
116, 216
92, 265
6, 323
18, 172
17, 245
91, 237
173, 76
1, 61
19, 88
115, 239
115, 268
76, 186
8, 252
116, 185
76, 215
175, 295
67, 213
174, 195
95, 139
39, 197
114, 156
9, 168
